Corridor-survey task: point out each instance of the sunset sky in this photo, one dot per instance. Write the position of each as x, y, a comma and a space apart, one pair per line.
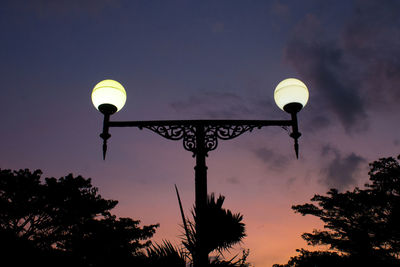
205, 59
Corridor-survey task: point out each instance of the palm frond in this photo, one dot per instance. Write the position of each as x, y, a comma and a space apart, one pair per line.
166, 254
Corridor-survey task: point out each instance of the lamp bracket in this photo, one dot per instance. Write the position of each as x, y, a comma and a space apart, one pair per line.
211, 133
209, 130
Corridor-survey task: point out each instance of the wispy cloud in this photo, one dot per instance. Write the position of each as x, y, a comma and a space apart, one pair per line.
321, 63
213, 105
218, 27
233, 180
45, 8
273, 159
341, 171
316, 122
353, 70
224, 105
280, 9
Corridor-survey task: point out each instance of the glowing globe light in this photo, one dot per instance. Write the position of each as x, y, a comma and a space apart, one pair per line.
109, 94
291, 95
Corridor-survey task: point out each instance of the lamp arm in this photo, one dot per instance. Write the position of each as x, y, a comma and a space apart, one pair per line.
186, 130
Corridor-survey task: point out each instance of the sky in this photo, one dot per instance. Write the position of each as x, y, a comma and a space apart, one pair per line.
207, 59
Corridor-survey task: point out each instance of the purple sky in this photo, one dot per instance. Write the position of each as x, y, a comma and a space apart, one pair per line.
203, 60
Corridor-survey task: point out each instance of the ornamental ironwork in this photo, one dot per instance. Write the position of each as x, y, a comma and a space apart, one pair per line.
208, 130
212, 132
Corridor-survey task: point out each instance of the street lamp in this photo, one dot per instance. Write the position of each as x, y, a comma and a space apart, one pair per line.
291, 95
200, 136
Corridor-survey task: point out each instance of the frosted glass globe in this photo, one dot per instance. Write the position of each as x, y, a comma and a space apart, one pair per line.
291, 91
109, 92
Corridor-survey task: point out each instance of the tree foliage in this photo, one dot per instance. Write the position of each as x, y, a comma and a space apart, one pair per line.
222, 230
166, 255
65, 219
316, 258
361, 226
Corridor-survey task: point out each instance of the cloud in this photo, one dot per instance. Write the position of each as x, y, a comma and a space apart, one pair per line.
224, 105
233, 180
320, 63
218, 27
273, 159
279, 9
291, 182
354, 70
316, 122
45, 8
341, 171
213, 105
372, 38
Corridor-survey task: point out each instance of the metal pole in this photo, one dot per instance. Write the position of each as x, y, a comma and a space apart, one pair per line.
200, 257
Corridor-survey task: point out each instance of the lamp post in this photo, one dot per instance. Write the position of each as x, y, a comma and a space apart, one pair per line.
200, 136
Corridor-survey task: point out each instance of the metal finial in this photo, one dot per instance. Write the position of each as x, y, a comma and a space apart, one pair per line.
105, 136
104, 149
296, 148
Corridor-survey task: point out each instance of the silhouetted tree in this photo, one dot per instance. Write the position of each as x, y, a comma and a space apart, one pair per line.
64, 219
233, 262
222, 230
363, 225
165, 255
316, 259
110, 242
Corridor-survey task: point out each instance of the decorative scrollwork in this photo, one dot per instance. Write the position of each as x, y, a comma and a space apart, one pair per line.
189, 134
173, 132
189, 139
226, 132
210, 142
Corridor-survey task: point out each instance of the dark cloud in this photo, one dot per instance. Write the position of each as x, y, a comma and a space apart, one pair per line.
290, 182
341, 171
225, 105
316, 122
274, 160
213, 105
354, 69
279, 9
233, 180
320, 63
218, 27
46, 8
372, 38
